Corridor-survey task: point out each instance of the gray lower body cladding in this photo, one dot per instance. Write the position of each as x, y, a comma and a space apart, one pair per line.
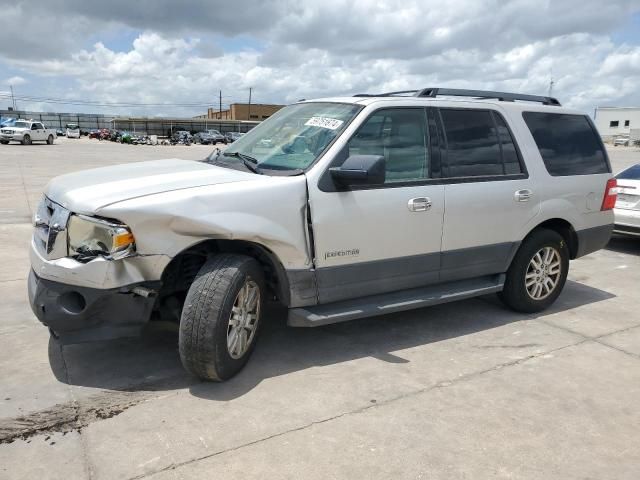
593, 239
389, 275
77, 314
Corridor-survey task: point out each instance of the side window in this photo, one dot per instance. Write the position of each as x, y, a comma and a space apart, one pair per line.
34, 126
472, 143
568, 144
509, 153
399, 135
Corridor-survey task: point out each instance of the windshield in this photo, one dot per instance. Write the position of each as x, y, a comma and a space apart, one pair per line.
72, 126
295, 136
22, 125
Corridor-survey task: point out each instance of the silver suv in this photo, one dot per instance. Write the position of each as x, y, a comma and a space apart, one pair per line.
338, 208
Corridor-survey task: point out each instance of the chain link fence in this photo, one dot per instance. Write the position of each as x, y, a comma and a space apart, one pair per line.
141, 125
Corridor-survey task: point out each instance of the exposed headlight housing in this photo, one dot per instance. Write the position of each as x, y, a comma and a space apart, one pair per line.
90, 237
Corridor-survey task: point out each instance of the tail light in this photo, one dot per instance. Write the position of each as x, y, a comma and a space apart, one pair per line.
610, 195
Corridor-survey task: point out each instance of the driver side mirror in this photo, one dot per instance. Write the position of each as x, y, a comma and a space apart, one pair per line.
360, 170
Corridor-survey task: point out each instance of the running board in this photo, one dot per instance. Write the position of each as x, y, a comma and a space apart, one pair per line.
393, 302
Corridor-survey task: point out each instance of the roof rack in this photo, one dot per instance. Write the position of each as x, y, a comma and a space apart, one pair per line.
458, 92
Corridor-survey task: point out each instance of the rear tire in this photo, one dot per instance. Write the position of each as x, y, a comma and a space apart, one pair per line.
26, 140
221, 317
50, 140
4, 142
538, 272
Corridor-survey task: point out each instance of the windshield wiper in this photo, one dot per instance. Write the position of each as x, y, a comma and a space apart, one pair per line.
249, 162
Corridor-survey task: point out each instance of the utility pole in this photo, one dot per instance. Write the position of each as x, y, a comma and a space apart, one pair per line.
249, 116
220, 110
13, 100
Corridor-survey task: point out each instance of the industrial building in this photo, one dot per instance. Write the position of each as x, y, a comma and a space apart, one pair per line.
242, 111
614, 121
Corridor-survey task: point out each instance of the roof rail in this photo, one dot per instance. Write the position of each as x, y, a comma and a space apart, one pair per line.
458, 92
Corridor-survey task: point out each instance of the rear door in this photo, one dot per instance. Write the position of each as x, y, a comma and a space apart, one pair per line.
489, 196
371, 240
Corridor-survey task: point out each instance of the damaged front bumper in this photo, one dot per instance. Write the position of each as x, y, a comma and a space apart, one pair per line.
98, 300
80, 314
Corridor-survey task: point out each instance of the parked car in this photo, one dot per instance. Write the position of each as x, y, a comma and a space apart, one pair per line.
343, 218
72, 130
622, 140
27, 132
217, 136
204, 138
60, 132
627, 209
182, 136
231, 137
100, 134
114, 135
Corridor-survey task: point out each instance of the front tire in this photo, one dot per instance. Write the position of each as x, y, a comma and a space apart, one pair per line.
221, 317
26, 140
538, 272
4, 142
50, 140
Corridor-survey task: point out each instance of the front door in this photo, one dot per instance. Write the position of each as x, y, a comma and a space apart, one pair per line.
36, 132
371, 240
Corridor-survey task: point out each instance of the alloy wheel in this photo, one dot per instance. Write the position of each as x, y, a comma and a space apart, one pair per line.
543, 273
243, 321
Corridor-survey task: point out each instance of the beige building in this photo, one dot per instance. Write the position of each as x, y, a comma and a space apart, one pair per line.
243, 111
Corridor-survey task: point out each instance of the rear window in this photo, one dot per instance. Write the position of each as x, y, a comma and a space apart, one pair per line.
568, 144
631, 173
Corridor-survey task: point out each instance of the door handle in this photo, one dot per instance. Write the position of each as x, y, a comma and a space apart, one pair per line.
523, 195
419, 204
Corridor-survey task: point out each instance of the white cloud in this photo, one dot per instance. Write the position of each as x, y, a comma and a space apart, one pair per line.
15, 81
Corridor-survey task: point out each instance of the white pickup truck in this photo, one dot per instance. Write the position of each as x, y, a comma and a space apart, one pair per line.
26, 132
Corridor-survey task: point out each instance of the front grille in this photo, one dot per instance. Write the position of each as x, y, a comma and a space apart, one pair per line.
50, 224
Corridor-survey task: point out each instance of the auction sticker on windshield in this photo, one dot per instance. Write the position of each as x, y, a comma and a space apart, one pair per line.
324, 122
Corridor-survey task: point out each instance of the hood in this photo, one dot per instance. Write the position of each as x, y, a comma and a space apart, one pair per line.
89, 190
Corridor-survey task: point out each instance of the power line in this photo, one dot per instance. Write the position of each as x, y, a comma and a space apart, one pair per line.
98, 103
103, 104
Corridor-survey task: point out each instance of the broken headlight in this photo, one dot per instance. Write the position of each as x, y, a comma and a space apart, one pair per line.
91, 237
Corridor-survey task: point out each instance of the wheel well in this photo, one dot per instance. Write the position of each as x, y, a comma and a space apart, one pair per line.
565, 229
180, 273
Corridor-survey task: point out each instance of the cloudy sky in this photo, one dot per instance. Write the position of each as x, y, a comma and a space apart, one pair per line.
171, 58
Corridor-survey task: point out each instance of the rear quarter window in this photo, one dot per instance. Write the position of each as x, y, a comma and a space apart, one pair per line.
568, 144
